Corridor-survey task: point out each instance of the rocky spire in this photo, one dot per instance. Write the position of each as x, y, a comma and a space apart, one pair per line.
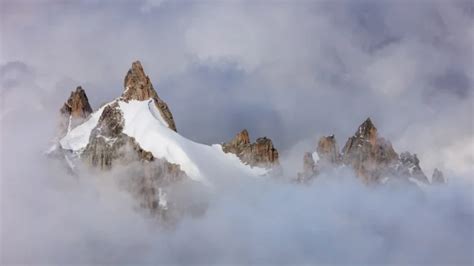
77, 105
137, 86
261, 153
437, 177
74, 111
370, 156
367, 131
309, 168
242, 138
328, 151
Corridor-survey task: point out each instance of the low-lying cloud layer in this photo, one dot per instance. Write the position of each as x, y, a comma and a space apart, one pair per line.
291, 71
49, 217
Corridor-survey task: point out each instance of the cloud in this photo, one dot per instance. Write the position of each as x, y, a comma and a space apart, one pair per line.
290, 71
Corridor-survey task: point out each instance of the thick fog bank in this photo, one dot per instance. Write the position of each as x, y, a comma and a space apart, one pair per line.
49, 216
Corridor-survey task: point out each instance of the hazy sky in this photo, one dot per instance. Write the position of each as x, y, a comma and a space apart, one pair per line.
289, 70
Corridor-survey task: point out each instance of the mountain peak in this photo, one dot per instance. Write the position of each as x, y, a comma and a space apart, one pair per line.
242, 138
74, 111
368, 154
137, 85
77, 105
367, 131
328, 151
260, 153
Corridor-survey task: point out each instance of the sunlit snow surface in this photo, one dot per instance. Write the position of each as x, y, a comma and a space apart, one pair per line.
144, 122
77, 138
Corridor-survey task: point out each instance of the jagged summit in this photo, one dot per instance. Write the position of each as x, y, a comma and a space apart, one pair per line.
369, 155
372, 158
77, 105
241, 138
74, 111
367, 131
328, 151
137, 86
260, 153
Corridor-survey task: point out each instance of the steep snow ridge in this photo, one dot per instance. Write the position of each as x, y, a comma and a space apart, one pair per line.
152, 134
78, 137
143, 121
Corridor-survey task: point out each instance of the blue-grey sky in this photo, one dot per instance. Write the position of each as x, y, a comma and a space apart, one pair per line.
290, 70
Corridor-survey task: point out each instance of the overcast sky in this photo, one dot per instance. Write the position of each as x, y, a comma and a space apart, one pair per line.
289, 70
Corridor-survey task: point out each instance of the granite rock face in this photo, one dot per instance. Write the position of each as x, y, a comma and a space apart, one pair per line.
74, 111
137, 86
371, 157
261, 153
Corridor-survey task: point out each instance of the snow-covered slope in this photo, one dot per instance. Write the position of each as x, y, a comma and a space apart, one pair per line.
77, 138
144, 122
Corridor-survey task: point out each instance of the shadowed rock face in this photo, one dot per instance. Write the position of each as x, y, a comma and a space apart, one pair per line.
137, 86
148, 176
370, 156
261, 153
74, 111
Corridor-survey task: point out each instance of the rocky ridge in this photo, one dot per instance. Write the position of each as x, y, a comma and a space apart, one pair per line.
370, 156
108, 146
261, 153
148, 178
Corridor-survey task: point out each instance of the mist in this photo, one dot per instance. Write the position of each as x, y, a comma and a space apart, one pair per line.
52, 217
289, 71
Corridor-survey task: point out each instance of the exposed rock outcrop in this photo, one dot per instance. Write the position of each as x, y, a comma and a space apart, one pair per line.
137, 86
261, 153
74, 111
328, 151
148, 176
409, 166
309, 168
371, 157
438, 177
